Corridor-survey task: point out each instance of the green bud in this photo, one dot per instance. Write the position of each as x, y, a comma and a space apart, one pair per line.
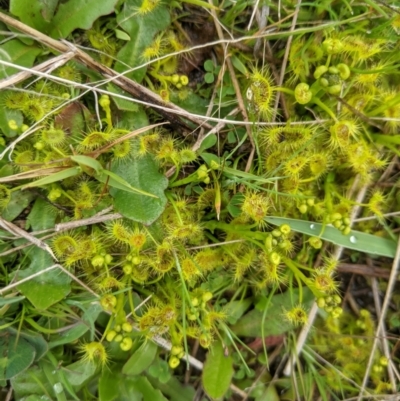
276, 233
12, 124
302, 93
315, 242
333, 70
310, 202
346, 231
285, 229
126, 344
275, 258
127, 268
344, 71
184, 80
319, 71
207, 296
39, 145
127, 327
214, 165
97, 261
111, 335
334, 89
324, 82
176, 350
303, 208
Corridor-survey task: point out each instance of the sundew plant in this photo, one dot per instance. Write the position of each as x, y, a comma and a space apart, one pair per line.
198, 200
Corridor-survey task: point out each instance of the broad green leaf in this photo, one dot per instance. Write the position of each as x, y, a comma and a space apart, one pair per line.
109, 384
79, 373
141, 173
250, 325
31, 383
14, 51
87, 161
173, 388
141, 359
235, 309
142, 30
36, 14
81, 14
76, 332
34, 339
42, 216
18, 203
48, 288
115, 181
144, 387
356, 240
61, 175
209, 142
16, 355
217, 372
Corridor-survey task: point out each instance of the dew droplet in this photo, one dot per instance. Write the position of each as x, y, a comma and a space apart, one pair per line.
58, 388
353, 239
312, 226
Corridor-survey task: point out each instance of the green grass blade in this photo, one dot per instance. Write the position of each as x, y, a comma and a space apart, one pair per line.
61, 175
356, 240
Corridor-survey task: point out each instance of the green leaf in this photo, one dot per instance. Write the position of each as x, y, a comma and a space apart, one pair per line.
209, 78
42, 216
237, 63
141, 173
217, 372
209, 66
122, 35
87, 161
36, 14
16, 355
160, 370
18, 203
77, 331
122, 104
141, 29
141, 359
75, 14
250, 325
142, 385
34, 339
109, 384
115, 181
30, 383
14, 51
8, 301
59, 176
48, 288
79, 373
209, 142
174, 389
235, 309
356, 240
